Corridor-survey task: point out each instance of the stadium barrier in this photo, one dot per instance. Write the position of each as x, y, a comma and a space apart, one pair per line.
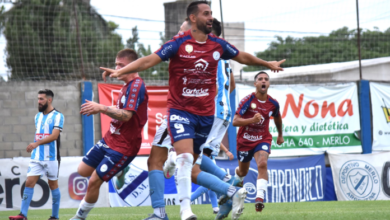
72, 186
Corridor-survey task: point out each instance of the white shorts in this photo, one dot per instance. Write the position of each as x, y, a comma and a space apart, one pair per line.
49, 168
162, 138
215, 136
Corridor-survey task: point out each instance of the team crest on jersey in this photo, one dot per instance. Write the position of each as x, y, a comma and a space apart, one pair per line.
189, 48
216, 55
253, 105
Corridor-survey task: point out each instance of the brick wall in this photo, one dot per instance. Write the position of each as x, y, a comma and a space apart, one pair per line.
18, 106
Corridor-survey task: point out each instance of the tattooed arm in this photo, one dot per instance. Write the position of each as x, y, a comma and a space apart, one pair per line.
118, 114
91, 108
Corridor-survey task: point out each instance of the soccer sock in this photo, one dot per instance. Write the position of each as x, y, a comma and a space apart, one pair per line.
213, 199
183, 179
56, 196
261, 187
241, 178
84, 209
156, 186
27, 196
209, 166
212, 182
198, 192
160, 212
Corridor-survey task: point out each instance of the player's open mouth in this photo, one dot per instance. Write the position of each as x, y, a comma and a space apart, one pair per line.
263, 86
209, 24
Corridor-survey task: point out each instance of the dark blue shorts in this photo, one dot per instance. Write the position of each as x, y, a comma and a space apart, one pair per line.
184, 125
106, 161
246, 156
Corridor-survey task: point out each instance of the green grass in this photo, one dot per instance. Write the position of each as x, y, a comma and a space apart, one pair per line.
299, 210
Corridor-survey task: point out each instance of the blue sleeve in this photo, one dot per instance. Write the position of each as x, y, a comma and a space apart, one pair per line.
135, 97
243, 106
276, 111
168, 50
229, 51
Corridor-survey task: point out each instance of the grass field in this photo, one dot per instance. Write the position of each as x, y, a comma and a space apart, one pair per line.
304, 210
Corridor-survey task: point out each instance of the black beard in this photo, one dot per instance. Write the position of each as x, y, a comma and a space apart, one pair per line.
203, 28
43, 108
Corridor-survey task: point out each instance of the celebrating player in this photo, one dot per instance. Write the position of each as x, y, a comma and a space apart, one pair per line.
194, 57
253, 138
45, 156
122, 141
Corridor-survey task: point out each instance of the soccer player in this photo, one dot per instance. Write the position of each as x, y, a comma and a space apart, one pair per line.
45, 154
162, 145
194, 57
253, 138
122, 141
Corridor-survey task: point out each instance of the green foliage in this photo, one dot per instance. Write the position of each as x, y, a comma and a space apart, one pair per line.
339, 46
42, 40
158, 72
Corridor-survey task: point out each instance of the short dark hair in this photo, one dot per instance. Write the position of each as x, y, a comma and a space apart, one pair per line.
47, 92
261, 72
217, 29
128, 53
193, 8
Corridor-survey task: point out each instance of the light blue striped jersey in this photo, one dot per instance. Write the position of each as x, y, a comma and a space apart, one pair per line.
44, 125
222, 100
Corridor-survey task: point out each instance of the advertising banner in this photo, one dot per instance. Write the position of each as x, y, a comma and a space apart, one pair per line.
157, 110
13, 175
290, 180
316, 118
132, 189
361, 176
380, 104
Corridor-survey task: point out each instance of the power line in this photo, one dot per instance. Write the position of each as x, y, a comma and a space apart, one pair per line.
231, 28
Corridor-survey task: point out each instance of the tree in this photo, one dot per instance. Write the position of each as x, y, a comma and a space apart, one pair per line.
158, 72
339, 46
45, 41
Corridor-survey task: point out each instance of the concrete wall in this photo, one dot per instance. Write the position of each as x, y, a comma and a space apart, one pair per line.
18, 106
175, 13
235, 34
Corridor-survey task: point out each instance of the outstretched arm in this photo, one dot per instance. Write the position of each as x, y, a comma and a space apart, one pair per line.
248, 59
137, 66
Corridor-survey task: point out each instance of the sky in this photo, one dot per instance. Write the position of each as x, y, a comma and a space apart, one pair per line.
263, 19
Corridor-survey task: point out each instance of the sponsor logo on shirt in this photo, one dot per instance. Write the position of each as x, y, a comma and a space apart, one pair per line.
200, 67
187, 56
184, 80
252, 137
40, 136
233, 51
195, 92
166, 49
178, 119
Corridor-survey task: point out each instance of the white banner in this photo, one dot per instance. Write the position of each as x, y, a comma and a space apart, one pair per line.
316, 118
380, 107
361, 176
13, 175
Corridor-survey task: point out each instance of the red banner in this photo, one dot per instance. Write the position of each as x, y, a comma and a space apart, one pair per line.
157, 111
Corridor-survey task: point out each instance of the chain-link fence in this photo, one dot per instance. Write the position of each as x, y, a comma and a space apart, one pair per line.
70, 40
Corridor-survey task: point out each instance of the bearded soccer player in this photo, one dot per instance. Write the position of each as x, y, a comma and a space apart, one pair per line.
194, 57
45, 154
122, 141
253, 139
